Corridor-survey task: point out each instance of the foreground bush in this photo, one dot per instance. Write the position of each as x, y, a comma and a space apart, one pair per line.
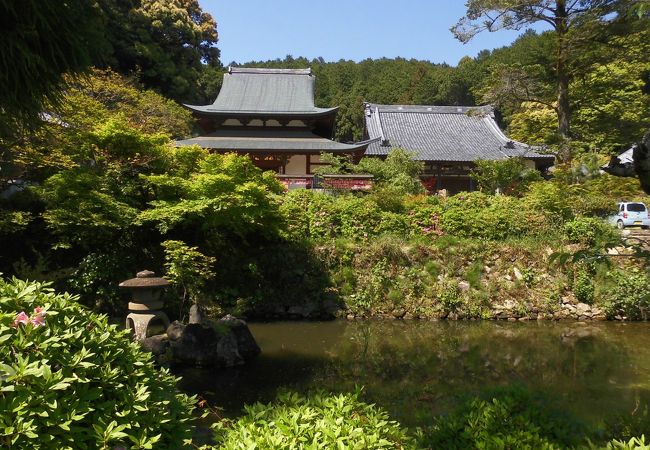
514, 419
316, 421
69, 380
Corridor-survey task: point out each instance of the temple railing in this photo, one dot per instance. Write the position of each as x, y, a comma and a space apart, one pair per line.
355, 182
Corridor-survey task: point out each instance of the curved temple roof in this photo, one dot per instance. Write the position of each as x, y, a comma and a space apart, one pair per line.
442, 133
276, 92
271, 140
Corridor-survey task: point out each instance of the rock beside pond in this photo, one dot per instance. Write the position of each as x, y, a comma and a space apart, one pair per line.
246, 344
227, 343
158, 345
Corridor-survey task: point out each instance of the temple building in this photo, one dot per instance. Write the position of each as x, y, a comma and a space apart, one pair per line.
448, 139
269, 115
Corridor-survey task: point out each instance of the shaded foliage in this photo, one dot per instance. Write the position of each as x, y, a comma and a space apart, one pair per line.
42, 41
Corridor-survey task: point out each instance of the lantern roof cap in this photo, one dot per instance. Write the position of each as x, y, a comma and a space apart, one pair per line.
144, 280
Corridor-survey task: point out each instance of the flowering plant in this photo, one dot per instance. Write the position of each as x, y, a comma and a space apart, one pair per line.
36, 320
79, 382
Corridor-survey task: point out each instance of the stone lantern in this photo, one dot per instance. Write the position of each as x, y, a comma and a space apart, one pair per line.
145, 304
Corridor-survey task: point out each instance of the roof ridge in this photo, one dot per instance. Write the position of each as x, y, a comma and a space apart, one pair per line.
434, 109
271, 71
496, 129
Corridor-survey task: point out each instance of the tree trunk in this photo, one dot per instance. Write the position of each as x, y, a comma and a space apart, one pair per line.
563, 107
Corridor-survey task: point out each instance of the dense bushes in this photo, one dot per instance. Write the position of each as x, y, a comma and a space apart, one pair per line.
514, 419
315, 421
467, 215
508, 418
628, 295
68, 380
511, 176
590, 231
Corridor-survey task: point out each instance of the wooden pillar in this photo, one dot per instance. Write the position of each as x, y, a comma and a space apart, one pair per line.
284, 164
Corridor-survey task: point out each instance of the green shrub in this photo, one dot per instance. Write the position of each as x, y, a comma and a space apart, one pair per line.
583, 287
449, 296
393, 223
629, 295
294, 208
479, 215
315, 421
632, 444
188, 270
513, 419
320, 217
590, 231
473, 274
584, 274
424, 215
510, 176
552, 199
69, 380
94, 279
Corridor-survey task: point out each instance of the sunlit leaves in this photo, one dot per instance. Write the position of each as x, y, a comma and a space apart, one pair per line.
226, 192
317, 421
78, 382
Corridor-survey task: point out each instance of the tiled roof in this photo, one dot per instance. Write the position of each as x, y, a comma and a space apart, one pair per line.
442, 133
270, 91
270, 140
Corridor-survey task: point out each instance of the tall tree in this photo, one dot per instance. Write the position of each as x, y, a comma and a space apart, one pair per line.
168, 42
41, 41
564, 16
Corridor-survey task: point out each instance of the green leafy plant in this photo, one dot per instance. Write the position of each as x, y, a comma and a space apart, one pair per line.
583, 284
224, 194
514, 418
632, 444
629, 295
449, 296
70, 380
590, 231
314, 421
509, 176
188, 268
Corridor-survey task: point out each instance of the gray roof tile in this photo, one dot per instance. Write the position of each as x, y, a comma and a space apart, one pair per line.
278, 91
442, 133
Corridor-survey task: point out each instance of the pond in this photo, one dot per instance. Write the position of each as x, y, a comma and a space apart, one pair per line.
416, 370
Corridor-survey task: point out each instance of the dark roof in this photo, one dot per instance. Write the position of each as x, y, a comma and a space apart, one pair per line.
280, 139
442, 133
276, 92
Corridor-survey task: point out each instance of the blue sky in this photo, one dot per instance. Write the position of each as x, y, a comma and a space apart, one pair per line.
345, 29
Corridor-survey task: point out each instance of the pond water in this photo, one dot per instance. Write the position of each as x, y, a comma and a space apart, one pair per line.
419, 369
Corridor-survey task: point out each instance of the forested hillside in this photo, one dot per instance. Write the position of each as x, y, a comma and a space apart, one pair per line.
610, 82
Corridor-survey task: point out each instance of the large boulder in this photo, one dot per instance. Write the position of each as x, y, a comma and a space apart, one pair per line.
246, 344
228, 343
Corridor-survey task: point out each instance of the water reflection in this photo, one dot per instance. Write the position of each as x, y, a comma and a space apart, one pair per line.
419, 369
